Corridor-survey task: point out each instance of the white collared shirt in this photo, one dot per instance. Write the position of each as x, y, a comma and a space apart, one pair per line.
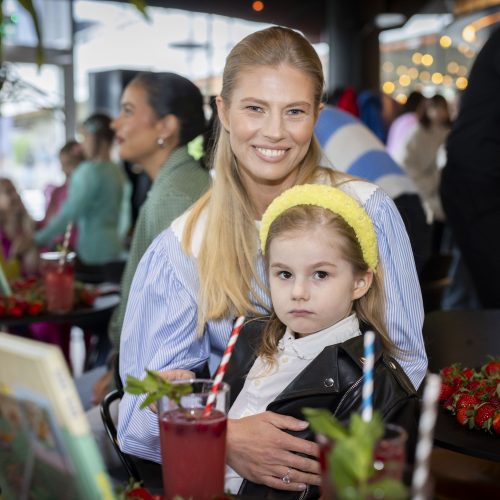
263, 383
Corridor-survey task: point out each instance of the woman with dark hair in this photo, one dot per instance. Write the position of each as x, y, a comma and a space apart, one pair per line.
95, 198
405, 124
160, 114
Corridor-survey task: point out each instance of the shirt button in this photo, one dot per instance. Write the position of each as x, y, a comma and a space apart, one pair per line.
246, 413
256, 383
284, 359
328, 382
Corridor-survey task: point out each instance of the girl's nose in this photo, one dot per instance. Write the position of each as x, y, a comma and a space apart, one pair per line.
300, 290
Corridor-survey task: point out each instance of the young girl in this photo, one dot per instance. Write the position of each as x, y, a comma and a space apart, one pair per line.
325, 280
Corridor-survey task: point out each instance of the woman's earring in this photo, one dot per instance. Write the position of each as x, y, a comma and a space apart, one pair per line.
161, 142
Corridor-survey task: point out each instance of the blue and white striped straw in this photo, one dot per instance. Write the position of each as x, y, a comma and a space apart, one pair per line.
367, 406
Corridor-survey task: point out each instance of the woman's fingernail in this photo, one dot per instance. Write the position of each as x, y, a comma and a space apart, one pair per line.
301, 487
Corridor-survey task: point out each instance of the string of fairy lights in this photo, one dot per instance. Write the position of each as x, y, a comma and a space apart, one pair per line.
439, 64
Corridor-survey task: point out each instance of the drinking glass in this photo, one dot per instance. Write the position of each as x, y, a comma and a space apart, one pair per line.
389, 457
193, 446
59, 279
390, 453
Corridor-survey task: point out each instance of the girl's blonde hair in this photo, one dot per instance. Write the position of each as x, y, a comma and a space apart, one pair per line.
227, 257
370, 308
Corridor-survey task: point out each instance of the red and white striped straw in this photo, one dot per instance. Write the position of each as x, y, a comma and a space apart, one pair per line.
223, 365
64, 250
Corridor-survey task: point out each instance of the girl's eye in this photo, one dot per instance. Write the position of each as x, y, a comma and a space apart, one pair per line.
284, 275
295, 112
321, 275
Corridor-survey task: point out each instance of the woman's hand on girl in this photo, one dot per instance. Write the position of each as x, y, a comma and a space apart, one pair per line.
259, 450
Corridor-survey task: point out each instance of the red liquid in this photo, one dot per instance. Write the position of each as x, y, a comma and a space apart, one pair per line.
193, 450
59, 288
392, 454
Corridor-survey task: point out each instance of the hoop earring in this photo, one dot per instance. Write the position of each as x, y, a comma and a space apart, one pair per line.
161, 142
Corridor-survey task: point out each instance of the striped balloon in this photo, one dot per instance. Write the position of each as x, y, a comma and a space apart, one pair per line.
367, 405
223, 365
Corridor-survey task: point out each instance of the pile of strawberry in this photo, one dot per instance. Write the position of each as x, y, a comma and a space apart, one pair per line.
473, 396
28, 297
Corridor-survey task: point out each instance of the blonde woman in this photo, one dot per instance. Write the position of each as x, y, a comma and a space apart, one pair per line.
206, 268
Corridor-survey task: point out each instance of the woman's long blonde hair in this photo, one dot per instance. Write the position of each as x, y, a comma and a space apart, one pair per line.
370, 308
227, 256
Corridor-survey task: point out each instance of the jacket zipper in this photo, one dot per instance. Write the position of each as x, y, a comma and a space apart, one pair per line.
353, 386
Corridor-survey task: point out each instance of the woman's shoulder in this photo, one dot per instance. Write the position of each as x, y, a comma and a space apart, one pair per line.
179, 225
359, 189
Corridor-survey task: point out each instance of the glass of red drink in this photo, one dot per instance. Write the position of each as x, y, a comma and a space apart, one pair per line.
389, 457
390, 453
193, 445
59, 278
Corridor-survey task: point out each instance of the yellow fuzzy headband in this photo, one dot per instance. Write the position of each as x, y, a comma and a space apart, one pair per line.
334, 200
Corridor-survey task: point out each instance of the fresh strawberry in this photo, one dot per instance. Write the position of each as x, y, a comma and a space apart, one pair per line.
466, 401
139, 493
463, 416
446, 391
15, 311
35, 308
468, 373
492, 368
496, 422
449, 371
484, 414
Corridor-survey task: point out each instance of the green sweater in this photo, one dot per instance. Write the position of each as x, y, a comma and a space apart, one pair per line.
180, 182
95, 202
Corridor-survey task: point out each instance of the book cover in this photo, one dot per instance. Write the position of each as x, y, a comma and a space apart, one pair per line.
47, 450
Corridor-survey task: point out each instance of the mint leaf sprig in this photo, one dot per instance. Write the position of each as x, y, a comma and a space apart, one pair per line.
350, 461
155, 386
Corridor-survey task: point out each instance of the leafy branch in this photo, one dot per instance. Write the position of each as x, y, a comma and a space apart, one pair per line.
156, 387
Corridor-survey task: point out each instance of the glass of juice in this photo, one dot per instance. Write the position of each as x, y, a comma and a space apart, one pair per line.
390, 453
193, 445
389, 456
59, 278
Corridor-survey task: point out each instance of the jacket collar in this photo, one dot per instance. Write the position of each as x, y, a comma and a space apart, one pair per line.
321, 376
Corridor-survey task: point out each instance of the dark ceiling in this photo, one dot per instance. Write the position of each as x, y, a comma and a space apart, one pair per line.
309, 16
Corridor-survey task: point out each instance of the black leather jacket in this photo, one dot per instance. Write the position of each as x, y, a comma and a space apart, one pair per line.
332, 380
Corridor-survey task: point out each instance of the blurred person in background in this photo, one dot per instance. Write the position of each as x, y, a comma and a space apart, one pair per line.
404, 125
470, 184
96, 199
70, 156
16, 227
423, 159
